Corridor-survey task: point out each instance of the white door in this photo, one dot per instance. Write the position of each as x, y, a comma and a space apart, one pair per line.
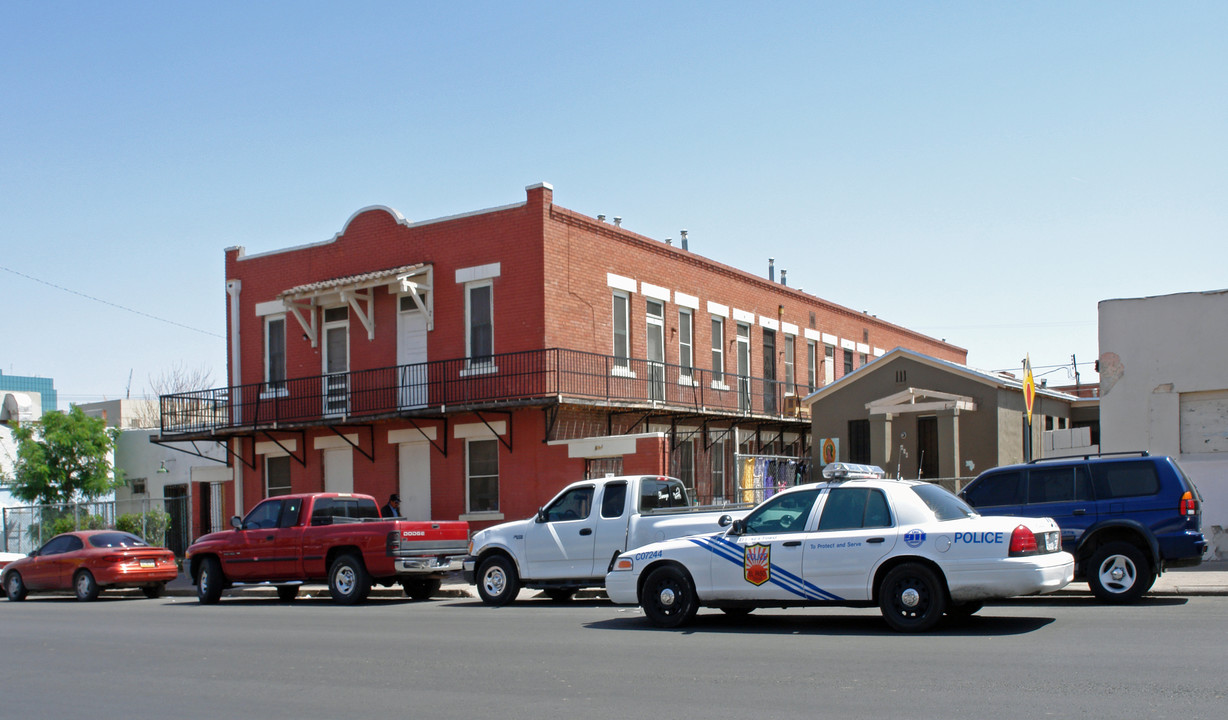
414, 471
743, 367
339, 470
411, 356
765, 562
854, 533
560, 543
656, 351
336, 360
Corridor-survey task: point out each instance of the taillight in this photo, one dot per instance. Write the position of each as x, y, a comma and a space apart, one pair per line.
1023, 542
115, 558
1188, 506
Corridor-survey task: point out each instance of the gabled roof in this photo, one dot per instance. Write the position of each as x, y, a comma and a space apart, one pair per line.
984, 377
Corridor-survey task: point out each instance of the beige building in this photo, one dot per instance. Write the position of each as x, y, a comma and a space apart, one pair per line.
917, 416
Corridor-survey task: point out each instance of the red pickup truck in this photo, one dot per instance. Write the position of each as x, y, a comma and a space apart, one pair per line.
337, 538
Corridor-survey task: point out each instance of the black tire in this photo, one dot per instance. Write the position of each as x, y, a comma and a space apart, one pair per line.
419, 589
668, 597
85, 586
560, 595
912, 598
498, 581
153, 591
348, 580
15, 587
210, 582
737, 612
1118, 573
964, 610
287, 593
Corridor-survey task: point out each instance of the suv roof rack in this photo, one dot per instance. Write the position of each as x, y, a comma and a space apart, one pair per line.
1089, 456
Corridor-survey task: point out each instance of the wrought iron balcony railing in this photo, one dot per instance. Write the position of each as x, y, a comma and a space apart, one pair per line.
453, 385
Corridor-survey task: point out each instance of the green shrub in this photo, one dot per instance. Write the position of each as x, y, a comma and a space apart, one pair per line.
150, 526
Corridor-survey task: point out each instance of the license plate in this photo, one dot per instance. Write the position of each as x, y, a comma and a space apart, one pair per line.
148, 563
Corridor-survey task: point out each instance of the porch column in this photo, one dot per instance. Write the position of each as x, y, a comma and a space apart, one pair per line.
880, 440
949, 464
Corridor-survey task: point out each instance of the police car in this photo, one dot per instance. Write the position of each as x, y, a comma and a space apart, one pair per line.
857, 539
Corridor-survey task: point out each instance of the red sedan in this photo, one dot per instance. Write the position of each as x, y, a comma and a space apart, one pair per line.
89, 561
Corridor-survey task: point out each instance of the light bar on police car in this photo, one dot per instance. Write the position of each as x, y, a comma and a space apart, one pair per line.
852, 471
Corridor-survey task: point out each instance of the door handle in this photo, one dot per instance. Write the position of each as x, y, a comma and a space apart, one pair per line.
793, 543
586, 531
269, 537
1080, 511
876, 540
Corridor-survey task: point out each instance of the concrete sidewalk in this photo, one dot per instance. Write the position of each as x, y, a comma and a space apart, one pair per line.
1210, 578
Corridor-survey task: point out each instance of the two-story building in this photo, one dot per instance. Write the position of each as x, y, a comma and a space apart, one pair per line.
476, 363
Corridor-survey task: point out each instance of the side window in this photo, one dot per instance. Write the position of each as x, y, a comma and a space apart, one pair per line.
1125, 479
785, 513
852, 508
322, 512
614, 500
1004, 488
661, 494
1058, 484
574, 504
289, 512
264, 515
58, 545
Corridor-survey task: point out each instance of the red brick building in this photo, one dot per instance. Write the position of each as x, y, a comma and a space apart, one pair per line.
477, 363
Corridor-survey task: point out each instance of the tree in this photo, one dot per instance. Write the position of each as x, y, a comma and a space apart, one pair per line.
177, 379
63, 457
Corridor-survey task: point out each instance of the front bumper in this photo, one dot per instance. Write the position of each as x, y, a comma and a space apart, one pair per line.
469, 569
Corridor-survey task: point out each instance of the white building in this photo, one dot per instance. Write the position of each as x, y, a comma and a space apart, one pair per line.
1164, 389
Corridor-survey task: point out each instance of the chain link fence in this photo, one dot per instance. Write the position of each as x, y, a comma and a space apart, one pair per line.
159, 521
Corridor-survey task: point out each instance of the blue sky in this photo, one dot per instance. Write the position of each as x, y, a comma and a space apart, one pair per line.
980, 172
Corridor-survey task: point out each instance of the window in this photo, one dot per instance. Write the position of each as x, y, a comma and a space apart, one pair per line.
1125, 479
275, 353
718, 350
853, 508
614, 500
575, 504
859, 441
686, 352
829, 364
1058, 484
116, 540
479, 313
862, 359
264, 516
945, 505
622, 331
661, 494
276, 475
1004, 488
812, 363
684, 461
783, 513
60, 544
790, 388
326, 511
482, 475
848, 361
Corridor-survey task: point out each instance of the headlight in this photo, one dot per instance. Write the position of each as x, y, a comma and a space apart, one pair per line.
624, 563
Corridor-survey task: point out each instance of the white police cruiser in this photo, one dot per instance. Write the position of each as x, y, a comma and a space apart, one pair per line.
858, 539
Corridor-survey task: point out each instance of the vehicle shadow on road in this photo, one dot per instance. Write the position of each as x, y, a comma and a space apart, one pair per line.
1085, 601
834, 625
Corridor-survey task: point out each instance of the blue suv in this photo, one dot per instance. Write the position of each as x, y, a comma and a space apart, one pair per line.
1125, 519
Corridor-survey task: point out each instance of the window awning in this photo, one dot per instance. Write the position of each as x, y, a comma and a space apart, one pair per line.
358, 291
915, 400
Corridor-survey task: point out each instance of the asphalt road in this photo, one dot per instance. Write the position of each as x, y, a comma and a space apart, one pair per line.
257, 658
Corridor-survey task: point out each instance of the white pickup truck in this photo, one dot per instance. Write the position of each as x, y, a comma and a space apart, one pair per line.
572, 541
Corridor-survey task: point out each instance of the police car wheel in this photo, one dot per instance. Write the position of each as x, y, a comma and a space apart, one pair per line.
912, 598
498, 583
1118, 573
668, 597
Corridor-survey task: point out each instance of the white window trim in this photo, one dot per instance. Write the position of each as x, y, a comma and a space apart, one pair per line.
266, 391
481, 514
614, 333
478, 367
690, 343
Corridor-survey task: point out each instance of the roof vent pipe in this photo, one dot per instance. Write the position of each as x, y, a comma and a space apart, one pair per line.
618, 220
783, 281
669, 241
683, 234
601, 218
772, 269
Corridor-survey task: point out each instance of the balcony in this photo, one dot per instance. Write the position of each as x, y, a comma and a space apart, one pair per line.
538, 377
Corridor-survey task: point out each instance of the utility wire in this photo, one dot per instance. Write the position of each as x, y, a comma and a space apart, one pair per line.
114, 305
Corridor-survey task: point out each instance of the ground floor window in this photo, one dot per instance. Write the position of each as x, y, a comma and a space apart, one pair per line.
482, 475
276, 475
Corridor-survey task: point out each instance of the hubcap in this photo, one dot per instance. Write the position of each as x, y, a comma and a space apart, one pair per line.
667, 597
1117, 573
83, 585
345, 580
910, 598
495, 581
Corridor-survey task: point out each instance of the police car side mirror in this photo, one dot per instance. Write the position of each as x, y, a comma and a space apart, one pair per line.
541, 515
725, 520
737, 527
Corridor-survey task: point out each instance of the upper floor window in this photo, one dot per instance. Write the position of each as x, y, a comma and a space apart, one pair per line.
479, 315
275, 353
789, 376
848, 361
622, 330
686, 353
812, 362
718, 349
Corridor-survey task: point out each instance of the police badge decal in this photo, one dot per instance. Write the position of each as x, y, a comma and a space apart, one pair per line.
757, 564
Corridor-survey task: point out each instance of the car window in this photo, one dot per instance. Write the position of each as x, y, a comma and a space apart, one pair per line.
785, 513
575, 504
116, 540
1004, 488
1125, 479
326, 510
850, 508
1058, 484
264, 515
56, 545
944, 505
289, 512
614, 500
661, 494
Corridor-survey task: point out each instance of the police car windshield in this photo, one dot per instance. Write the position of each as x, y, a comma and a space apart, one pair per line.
944, 505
